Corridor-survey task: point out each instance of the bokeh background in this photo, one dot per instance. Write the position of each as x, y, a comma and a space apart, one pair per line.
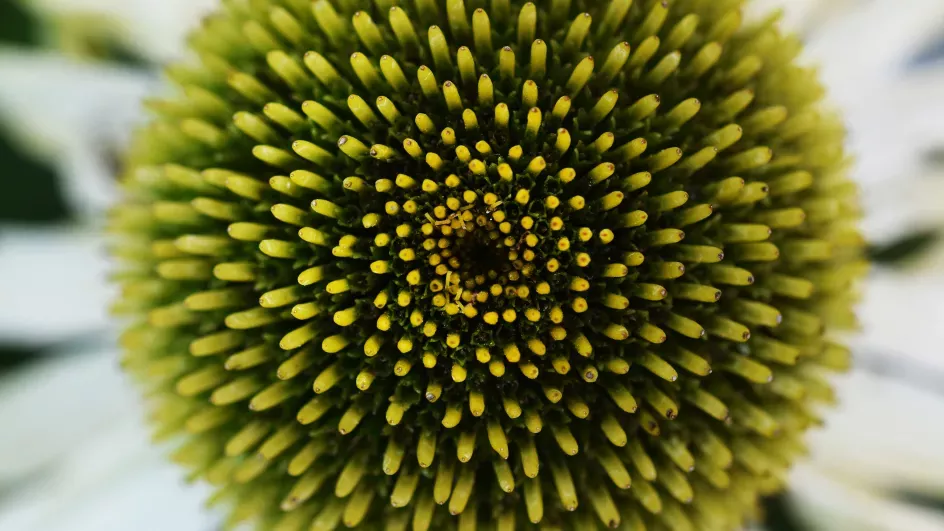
74, 450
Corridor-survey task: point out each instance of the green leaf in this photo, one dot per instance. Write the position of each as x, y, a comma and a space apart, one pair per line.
925, 500
31, 189
779, 515
906, 248
17, 25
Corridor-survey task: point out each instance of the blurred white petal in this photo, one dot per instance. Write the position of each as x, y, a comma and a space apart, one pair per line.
913, 204
885, 434
826, 504
81, 455
916, 100
48, 409
802, 16
73, 114
870, 44
891, 135
53, 283
893, 112
113, 482
901, 316
155, 29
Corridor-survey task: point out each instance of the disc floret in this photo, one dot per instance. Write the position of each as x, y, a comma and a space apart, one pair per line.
436, 264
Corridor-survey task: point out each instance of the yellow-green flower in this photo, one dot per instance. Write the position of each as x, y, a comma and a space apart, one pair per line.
449, 264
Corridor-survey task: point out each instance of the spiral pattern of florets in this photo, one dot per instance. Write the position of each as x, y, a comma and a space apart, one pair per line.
488, 264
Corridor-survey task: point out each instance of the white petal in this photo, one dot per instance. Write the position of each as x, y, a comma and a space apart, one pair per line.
53, 285
827, 504
885, 434
901, 316
893, 112
896, 207
76, 115
894, 128
81, 457
154, 28
803, 16
114, 481
51, 99
49, 409
854, 58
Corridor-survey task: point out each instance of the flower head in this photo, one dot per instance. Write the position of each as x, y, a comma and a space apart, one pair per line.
443, 263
